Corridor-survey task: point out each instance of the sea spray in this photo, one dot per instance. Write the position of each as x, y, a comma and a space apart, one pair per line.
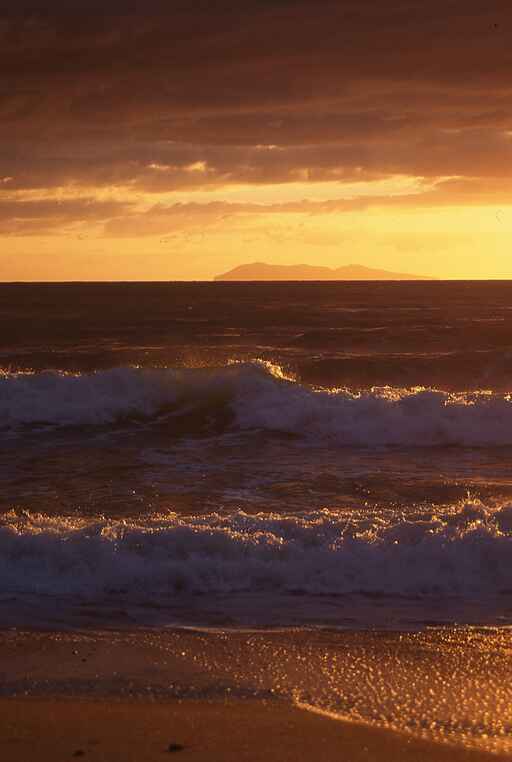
465, 551
249, 396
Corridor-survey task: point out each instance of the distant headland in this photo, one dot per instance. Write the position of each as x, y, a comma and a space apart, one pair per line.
264, 271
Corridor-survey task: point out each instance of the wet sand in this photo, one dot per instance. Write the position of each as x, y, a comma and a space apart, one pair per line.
235, 695
50, 730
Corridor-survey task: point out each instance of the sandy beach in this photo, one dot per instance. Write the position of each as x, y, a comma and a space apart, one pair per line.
222, 695
51, 730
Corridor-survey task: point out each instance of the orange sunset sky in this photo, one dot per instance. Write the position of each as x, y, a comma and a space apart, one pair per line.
175, 140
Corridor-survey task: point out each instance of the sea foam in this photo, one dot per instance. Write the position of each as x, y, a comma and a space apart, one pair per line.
465, 551
257, 396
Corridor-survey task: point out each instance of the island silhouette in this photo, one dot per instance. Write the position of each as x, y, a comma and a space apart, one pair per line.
264, 271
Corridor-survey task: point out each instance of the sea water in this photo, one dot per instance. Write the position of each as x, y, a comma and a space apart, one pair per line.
315, 457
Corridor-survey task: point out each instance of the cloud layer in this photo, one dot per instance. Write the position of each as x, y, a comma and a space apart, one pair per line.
115, 117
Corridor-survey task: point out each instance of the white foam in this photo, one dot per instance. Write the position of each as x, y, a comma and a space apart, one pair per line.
467, 552
257, 396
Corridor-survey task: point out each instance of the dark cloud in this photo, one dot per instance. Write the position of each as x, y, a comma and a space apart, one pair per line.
97, 94
146, 66
158, 166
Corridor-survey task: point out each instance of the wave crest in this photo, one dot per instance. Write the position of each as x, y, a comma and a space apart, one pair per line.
465, 552
257, 396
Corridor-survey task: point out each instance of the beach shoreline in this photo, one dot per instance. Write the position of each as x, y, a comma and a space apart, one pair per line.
224, 695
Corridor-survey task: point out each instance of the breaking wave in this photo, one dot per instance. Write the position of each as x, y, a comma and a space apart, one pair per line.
466, 551
249, 396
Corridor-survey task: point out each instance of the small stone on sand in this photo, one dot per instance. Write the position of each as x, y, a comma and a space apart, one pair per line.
175, 747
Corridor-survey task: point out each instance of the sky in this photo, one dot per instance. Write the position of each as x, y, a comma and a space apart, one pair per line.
176, 140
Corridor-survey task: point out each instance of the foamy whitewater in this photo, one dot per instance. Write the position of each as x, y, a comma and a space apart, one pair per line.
466, 551
171, 445
258, 396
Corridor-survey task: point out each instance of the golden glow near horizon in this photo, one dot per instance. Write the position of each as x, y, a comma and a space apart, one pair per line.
166, 238
197, 234
126, 156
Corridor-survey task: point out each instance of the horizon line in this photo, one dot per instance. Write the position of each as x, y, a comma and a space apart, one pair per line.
424, 279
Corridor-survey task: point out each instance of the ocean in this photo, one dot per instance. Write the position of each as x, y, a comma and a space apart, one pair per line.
301, 461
